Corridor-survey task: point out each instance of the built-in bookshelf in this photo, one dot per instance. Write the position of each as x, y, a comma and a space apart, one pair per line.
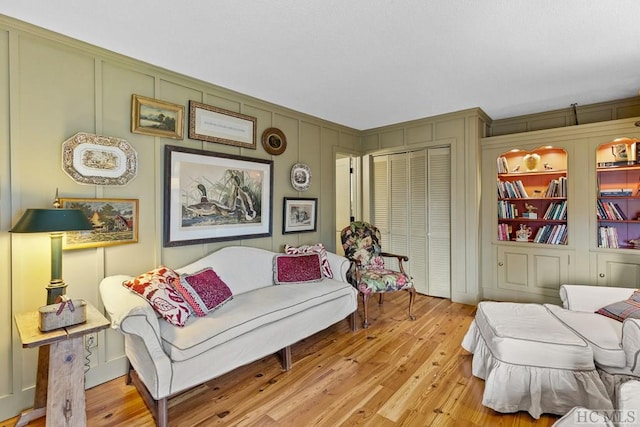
618, 194
532, 196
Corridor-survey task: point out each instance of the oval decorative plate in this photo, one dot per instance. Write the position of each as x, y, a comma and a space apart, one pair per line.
300, 177
95, 159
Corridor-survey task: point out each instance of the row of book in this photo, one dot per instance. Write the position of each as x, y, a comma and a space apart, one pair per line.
504, 232
610, 210
552, 234
556, 211
557, 187
618, 192
507, 210
503, 167
608, 237
512, 190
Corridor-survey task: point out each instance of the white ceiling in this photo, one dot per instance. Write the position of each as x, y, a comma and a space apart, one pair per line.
369, 63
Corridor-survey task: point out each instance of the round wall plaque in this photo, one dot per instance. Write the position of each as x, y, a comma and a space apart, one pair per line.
301, 177
274, 141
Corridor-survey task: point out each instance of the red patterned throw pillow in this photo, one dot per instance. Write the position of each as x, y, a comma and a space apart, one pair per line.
156, 286
308, 249
622, 309
303, 268
204, 290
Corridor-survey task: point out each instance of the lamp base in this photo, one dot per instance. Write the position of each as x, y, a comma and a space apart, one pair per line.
54, 290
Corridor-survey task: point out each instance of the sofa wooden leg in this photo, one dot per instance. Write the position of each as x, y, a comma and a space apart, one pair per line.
162, 419
127, 379
285, 358
412, 297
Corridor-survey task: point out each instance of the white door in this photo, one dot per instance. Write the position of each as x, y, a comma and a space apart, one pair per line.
343, 198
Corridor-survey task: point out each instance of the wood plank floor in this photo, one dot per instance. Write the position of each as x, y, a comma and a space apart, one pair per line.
396, 373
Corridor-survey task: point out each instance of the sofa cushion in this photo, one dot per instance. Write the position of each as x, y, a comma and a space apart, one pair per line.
603, 334
622, 309
156, 286
302, 268
245, 313
203, 290
317, 248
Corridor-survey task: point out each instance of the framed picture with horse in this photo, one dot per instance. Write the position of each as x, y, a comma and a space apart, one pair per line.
213, 197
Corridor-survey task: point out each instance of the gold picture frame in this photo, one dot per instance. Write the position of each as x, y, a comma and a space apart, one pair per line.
213, 124
157, 118
115, 222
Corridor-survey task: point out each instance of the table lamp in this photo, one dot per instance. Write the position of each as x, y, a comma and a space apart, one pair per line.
56, 222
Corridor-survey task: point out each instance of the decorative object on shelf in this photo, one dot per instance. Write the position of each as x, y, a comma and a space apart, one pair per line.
548, 167
523, 234
56, 222
274, 141
300, 177
516, 169
531, 161
213, 124
114, 221
620, 152
156, 118
99, 160
64, 312
213, 197
299, 214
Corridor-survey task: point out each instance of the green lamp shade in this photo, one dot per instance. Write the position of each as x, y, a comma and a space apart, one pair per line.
52, 220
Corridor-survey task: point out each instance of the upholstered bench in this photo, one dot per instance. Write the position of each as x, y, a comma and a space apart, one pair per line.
531, 362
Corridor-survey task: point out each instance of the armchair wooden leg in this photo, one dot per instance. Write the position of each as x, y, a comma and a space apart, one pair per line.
380, 298
365, 300
412, 297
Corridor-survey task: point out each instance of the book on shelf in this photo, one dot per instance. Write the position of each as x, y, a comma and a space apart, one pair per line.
552, 234
616, 192
608, 237
503, 167
617, 163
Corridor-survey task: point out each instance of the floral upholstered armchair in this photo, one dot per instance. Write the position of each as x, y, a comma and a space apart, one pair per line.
361, 244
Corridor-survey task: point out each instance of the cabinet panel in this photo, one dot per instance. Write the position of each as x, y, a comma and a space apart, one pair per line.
619, 270
533, 271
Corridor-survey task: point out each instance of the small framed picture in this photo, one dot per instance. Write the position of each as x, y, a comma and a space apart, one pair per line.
274, 141
300, 215
115, 222
213, 124
157, 118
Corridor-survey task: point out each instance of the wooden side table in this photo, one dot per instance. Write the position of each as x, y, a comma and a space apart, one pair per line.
60, 378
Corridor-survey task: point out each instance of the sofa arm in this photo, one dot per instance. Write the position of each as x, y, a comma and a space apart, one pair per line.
591, 298
339, 266
631, 344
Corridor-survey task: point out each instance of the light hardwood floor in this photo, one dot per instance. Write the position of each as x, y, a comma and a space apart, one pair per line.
396, 373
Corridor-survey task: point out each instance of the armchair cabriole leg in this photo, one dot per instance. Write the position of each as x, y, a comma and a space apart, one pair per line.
365, 300
412, 297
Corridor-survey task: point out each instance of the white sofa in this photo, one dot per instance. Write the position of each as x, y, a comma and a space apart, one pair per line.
615, 345
261, 319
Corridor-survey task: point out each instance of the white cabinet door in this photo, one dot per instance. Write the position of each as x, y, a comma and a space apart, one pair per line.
619, 270
532, 271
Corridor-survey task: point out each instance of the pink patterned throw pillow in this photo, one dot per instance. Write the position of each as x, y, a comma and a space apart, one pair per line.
302, 268
156, 286
307, 249
204, 290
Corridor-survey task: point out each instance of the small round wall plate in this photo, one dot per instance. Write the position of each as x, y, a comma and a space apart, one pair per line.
301, 177
274, 141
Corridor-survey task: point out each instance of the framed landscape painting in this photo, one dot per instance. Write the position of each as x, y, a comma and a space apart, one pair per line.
213, 197
115, 222
157, 118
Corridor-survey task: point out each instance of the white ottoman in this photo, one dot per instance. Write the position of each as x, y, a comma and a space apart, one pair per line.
531, 362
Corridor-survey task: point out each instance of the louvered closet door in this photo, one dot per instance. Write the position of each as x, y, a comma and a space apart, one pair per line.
411, 207
439, 221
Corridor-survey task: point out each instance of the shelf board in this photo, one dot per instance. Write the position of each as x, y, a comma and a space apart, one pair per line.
534, 198
619, 168
619, 197
553, 221
545, 172
627, 221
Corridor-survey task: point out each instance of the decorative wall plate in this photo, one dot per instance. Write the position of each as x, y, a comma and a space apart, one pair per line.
301, 177
101, 160
274, 141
